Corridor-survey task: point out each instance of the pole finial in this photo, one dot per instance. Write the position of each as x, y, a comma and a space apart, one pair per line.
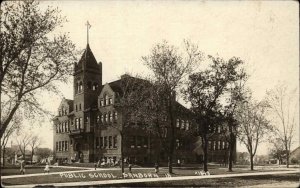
88, 26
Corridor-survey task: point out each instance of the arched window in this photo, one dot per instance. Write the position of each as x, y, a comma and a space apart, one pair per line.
106, 100
80, 87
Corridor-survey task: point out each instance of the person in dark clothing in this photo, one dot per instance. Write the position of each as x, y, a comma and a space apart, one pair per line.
156, 168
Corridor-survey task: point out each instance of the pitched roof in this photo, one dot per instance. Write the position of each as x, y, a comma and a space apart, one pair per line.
87, 59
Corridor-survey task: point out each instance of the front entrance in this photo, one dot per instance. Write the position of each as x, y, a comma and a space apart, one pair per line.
78, 153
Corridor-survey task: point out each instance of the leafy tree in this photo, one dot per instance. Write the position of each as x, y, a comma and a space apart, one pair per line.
253, 126
282, 105
206, 91
32, 57
277, 150
43, 152
169, 68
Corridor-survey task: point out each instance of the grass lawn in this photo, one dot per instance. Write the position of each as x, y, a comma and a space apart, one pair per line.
115, 174
221, 182
33, 170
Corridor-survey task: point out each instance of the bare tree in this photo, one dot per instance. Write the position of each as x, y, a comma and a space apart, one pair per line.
35, 142
170, 68
129, 96
282, 104
32, 57
23, 141
253, 126
13, 127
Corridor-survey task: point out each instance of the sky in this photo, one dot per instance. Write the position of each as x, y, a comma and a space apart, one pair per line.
265, 34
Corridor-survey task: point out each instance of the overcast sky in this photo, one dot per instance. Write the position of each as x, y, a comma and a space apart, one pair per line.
264, 34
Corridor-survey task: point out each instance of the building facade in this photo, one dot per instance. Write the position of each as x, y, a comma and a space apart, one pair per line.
87, 128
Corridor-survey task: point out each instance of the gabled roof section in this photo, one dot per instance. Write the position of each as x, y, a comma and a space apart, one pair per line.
87, 59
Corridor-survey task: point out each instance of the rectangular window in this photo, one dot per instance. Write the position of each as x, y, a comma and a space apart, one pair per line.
105, 141
59, 146
115, 116
110, 117
145, 142
223, 145
209, 145
59, 128
182, 124
56, 146
101, 142
106, 117
80, 123
101, 103
115, 141
79, 106
98, 119
97, 142
102, 118
63, 145
110, 141
110, 101
86, 119
132, 141
76, 109
177, 123
214, 145
66, 126
67, 145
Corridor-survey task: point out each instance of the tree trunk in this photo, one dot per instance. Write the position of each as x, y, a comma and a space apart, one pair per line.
122, 156
287, 158
205, 151
231, 152
3, 156
251, 162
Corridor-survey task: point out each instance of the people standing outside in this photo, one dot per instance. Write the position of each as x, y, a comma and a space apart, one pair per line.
47, 169
22, 167
156, 168
129, 167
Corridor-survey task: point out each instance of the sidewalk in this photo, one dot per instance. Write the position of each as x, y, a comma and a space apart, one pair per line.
124, 181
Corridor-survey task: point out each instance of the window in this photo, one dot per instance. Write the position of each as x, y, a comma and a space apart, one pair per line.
62, 145
97, 142
110, 101
102, 118
214, 145
110, 117
86, 119
101, 142
106, 99
115, 141
79, 106
67, 146
115, 116
95, 86
76, 123
223, 145
80, 87
145, 142
80, 123
59, 113
132, 141
59, 146
105, 141
66, 111
101, 103
66, 127
77, 88
98, 119
187, 125
59, 128
106, 117
110, 141
76, 107
209, 145
89, 85
56, 146
177, 123
177, 143
182, 124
